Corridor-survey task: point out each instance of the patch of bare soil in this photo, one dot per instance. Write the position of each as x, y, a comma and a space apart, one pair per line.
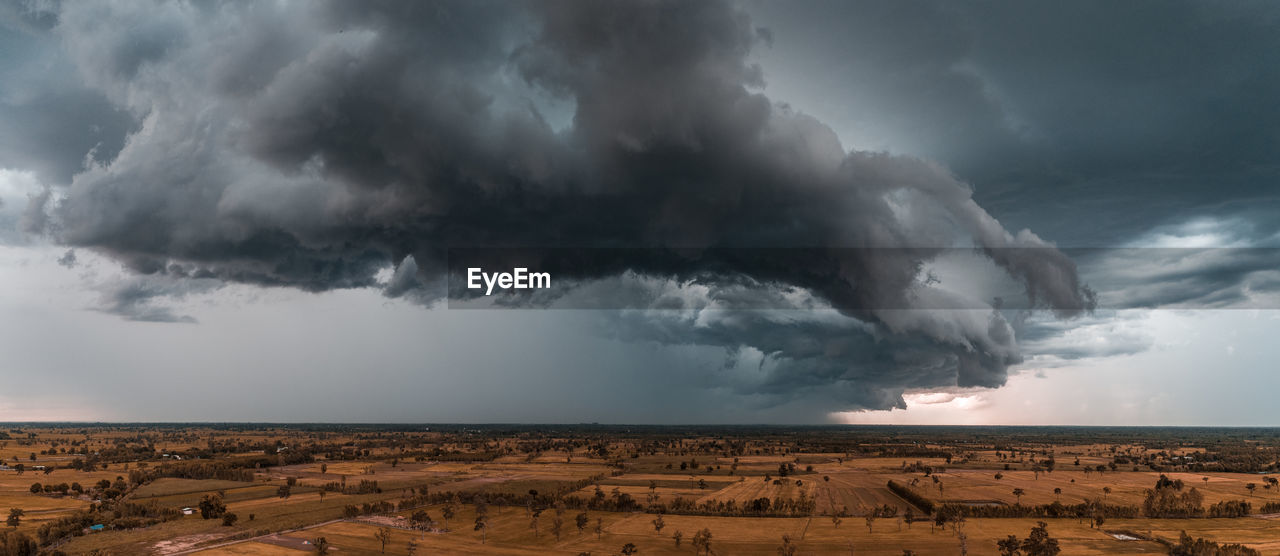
184, 543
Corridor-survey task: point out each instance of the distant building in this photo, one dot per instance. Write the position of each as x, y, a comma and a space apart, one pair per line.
188, 511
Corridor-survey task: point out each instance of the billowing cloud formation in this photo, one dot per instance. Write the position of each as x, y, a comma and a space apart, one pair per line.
314, 145
1124, 115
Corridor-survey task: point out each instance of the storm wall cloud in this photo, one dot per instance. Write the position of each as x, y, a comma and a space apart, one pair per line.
325, 146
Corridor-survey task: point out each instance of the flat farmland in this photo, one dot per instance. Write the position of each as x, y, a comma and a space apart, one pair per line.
152, 471
15, 492
1126, 487
751, 488
510, 534
857, 492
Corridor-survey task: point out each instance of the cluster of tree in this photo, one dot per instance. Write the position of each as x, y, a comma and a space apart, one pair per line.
60, 489
457, 456
1230, 508
921, 467
224, 470
1201, 547
886, 510
119, 453
1242, 458
212, 506
759, 507
13, 543
365, 486
1271, 508
1085, 510
924, 504
912, 452
1038, 543
530, 499
1168, 500
89, 463
368, 508
120, 515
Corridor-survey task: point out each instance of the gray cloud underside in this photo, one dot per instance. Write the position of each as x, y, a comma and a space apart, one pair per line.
314, 145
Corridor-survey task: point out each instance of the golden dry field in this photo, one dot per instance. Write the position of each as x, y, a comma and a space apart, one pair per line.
755, 491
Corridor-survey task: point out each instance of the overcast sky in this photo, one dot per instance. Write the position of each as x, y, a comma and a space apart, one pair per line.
243, 211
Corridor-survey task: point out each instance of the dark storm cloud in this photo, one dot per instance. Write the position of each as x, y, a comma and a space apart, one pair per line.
1191, 278
52, 122
1107, 333
1091, 121
314, 145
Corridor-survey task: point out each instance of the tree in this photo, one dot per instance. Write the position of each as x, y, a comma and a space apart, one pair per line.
557, 525
36, 488
284, 491
1105, 492
677, 536
482, 525
1039, 543
787, 549
533, 522
1017, 492
420, 520
581, 521
658, 523
211, 506
320, 545
15, 517
629, 549
1201, 547
871, 520
702, 541
447, 512
13, 543
1252, 487
599, 529
412, 547
383, 536
1009, 546
324, 468
1057, 493
229, 519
